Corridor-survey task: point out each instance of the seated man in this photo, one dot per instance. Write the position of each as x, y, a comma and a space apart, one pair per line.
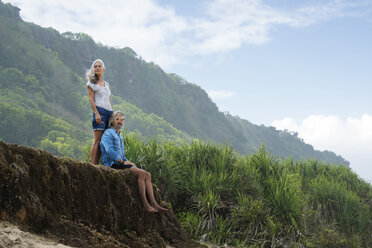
112, 148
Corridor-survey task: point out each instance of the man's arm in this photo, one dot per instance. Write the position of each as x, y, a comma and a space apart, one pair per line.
124, 159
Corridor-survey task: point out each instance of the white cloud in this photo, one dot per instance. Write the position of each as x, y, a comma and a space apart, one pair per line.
157, 33
216, 94
140, 24
351, 138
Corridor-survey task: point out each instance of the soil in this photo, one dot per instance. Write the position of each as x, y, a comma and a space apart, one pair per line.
12, 236
78, 204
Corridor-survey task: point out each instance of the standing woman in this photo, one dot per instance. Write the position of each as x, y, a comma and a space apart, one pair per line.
100, 101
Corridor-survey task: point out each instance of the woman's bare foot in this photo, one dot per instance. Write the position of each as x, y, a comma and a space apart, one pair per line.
150, 209
160, 208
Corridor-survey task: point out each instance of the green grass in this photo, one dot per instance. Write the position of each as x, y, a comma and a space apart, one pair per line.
257, 200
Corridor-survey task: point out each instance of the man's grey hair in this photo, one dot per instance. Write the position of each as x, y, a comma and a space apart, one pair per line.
114, 116
90, 75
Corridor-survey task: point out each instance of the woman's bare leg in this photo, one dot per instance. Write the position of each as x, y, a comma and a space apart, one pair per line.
95, 151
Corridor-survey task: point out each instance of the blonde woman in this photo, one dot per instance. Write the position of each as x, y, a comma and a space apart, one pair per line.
99, 99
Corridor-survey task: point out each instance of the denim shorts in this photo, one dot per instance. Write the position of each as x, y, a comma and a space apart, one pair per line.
105, 117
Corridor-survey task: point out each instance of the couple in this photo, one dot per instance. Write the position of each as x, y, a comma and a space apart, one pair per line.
107, 138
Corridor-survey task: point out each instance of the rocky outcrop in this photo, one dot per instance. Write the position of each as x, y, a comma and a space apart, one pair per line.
78, 204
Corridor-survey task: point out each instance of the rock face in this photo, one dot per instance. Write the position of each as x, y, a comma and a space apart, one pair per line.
78, 204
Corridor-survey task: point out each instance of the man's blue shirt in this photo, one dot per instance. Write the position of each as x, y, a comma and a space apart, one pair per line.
112, 147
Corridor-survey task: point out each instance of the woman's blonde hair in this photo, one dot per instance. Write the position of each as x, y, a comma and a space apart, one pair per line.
114, 115
90, 75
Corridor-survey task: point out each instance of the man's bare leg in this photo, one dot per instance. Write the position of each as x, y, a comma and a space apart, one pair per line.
150, 193
142, 189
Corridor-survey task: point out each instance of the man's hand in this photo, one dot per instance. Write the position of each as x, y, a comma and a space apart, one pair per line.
128, 163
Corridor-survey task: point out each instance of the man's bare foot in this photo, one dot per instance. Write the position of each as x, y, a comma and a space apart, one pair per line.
150, 209
161, 209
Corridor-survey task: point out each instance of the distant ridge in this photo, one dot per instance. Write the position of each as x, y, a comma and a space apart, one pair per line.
41, 73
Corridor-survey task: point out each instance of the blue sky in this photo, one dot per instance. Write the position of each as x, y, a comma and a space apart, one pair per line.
304, 66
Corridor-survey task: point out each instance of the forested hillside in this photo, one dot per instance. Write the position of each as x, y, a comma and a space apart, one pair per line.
44, 100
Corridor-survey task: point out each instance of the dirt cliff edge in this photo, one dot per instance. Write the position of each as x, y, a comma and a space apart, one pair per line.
79, 204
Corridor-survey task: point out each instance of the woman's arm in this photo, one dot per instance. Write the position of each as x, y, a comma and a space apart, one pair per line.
109, 96
93, 105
